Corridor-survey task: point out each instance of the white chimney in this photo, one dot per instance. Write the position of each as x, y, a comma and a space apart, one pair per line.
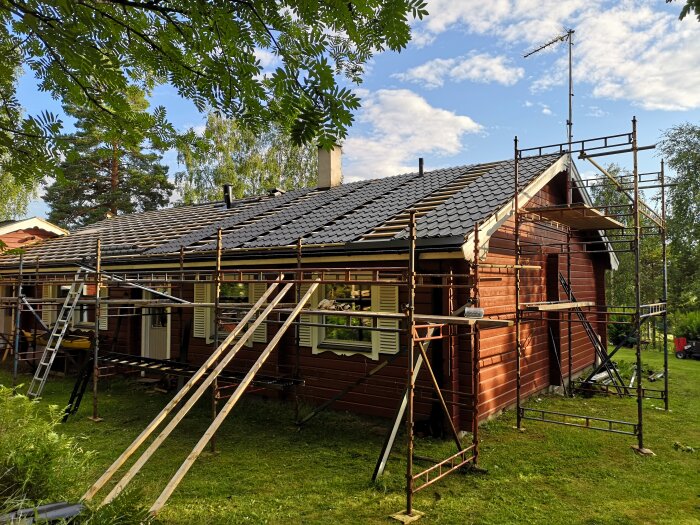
329, 170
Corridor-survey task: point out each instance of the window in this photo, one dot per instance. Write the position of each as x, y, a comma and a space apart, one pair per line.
229, 292
159, 317
348, 297
80, 314
348, 338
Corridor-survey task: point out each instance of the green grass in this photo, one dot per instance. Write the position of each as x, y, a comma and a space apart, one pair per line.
268, 472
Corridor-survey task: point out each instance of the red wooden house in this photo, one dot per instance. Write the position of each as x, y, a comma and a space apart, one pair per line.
360, 229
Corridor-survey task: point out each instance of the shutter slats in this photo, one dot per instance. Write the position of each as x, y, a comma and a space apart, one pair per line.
48, 312
201, 313
385, 299
308, 334
255, 292
104, 310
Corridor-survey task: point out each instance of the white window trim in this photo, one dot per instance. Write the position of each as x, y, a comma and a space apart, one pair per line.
344, 349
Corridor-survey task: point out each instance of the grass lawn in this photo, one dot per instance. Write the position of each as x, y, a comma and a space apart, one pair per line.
267, 471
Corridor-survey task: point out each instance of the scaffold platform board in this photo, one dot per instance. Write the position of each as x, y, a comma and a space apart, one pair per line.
549, 306
577, 215
167, 366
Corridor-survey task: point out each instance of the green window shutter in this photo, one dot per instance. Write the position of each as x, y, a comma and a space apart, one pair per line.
48, 312
104, 310
385, 299
202, 315
255, 292
308, 335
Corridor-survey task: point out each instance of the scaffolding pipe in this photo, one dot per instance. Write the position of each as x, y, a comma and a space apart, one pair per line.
18, 312
665, 283
518, 347
96, 340
410, 387
637, 290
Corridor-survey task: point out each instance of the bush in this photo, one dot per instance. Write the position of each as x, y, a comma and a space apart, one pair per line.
688, 326
37, 463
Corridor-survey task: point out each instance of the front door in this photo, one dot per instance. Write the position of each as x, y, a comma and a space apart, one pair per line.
156, 331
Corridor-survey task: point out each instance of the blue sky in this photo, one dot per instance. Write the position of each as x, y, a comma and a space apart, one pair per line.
461, 90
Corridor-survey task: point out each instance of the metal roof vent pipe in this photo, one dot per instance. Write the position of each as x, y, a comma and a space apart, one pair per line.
329, 169
227, 195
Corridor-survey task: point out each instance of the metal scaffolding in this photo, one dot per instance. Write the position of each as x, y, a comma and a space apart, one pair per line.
571, 219
560, 224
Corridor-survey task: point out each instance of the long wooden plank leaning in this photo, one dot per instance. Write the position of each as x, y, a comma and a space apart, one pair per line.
202, 443
225, 360
176, 399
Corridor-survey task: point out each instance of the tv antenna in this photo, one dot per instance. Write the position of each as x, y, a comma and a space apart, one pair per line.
568, 37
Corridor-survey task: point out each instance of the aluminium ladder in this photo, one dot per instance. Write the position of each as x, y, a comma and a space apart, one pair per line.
36, 387
598, 346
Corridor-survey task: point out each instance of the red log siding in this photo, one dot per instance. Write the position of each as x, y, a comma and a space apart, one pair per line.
19, 238
498, 355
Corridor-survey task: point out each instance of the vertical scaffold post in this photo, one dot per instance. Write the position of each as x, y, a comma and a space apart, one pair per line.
96, 338
182, 357
665, 282
476, 349
217, 292
411, 361
569, 335
18, 313
297, 335
34, 323
516, 235
637, 288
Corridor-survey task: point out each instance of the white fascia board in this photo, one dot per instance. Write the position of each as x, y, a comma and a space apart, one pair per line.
493, 223
33, 222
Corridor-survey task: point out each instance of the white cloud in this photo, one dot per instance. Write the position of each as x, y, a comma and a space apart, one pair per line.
482, 68
636, 50
596, 112
546, 110
267, 59
403, 126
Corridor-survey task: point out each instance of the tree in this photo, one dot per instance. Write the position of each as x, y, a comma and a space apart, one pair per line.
250, 162
87, 53
620, 283
106, 168
14, 197
680, 147
690, 5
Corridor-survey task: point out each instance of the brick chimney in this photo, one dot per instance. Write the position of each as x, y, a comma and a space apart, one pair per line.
329, 170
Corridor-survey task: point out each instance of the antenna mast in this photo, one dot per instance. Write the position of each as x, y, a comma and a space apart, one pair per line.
567, 37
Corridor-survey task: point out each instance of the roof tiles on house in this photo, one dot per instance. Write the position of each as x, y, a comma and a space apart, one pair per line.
452, 200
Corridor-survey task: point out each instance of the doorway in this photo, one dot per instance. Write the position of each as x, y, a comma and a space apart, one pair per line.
155, 327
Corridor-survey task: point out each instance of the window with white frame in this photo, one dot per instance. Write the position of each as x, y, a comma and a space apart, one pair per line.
348, 330
352, 335
229, 292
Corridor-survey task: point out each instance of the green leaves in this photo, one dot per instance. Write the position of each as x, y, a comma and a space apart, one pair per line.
88, 53
107, 165
252, 163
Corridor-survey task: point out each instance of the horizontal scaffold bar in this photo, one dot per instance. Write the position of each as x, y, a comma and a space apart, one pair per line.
589, 422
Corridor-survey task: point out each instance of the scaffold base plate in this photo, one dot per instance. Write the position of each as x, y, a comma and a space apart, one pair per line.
408, 518
642, 451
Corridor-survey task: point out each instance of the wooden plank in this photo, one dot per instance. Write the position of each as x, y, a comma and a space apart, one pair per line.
204, 440
550, 306
173, 402
579, 216
190, 402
